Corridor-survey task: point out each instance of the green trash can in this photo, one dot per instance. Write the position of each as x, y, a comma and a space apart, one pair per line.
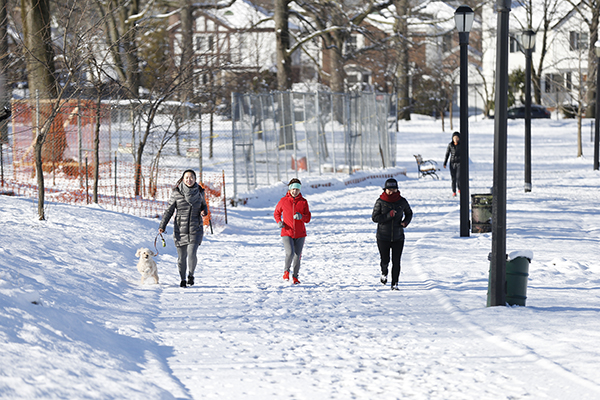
517, 273
481, 213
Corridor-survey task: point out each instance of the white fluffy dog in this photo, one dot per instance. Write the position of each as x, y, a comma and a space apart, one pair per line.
146, 264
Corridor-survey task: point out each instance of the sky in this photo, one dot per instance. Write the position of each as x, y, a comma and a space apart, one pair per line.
77, 323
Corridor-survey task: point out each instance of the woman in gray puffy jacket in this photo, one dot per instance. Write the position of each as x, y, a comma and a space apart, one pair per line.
188, 198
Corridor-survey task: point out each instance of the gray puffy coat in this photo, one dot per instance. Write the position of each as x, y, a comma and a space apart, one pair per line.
188, 227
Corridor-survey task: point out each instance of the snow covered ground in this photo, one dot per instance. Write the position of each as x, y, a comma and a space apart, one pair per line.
75, 323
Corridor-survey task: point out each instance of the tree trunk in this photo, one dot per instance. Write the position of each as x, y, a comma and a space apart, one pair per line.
282, 36
336, 65
5, 94
187, 50
403, 68
592, 64
37, 149
127, 41
537, 87
39, 55
39, 58
97, 149
336, 82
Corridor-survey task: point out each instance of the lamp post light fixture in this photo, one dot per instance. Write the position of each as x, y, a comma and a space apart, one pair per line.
597, 114
463, 16
528, 43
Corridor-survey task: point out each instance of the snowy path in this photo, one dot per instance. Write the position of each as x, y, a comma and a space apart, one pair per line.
244, 333
75, 322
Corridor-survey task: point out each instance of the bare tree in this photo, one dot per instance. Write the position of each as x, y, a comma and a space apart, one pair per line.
5, 92
547, 12
334, 21
403, 67
40, 58
282, 37
120, 19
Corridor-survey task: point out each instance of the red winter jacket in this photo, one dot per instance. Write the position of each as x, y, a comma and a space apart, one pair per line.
285, 210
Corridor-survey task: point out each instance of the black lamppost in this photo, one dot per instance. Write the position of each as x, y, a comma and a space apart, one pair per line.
497, 295
463, 16
528, 43
597, 115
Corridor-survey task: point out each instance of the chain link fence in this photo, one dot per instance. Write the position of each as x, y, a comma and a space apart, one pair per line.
127, 155
278, 135
141, 149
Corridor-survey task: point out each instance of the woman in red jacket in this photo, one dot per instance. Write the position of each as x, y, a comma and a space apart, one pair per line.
291, 213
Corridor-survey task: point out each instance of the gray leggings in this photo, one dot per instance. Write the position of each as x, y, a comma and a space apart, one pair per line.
187, 258
293, 253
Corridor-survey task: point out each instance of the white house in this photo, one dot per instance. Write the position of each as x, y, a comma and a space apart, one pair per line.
236, 39
565, 64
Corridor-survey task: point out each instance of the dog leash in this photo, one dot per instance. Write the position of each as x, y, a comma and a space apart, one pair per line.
164, 244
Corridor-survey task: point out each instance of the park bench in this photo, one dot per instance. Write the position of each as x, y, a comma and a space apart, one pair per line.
426, 167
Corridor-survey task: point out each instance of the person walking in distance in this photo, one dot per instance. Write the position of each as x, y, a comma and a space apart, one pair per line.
291, 213
453, 152
392, 213
188, 199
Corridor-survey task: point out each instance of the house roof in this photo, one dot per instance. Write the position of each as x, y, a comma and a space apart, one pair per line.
242, 14
429, 16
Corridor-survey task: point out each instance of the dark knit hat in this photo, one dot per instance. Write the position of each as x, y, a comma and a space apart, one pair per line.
391, 184
456, 134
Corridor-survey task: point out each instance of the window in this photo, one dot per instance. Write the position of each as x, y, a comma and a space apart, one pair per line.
554, 83
548, 85
204, 43
514, 46
568, 81
446, 42
351, 44
578, 40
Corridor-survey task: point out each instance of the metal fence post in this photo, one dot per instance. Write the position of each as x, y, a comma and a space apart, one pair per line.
250, 113
318, 131
333, 136
277, 142
360, 116
264, 136
79, 142
200, 141
347, 129
306, 133
294, 137
115, 178
234, 108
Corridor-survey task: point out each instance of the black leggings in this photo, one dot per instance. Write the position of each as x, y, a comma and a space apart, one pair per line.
384, 251
455, 174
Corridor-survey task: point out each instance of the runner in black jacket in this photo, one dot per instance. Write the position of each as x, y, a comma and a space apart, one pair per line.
392, 214
453, 151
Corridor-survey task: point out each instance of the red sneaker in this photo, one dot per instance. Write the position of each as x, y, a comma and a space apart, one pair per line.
454, 194
296, 281
286, 276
